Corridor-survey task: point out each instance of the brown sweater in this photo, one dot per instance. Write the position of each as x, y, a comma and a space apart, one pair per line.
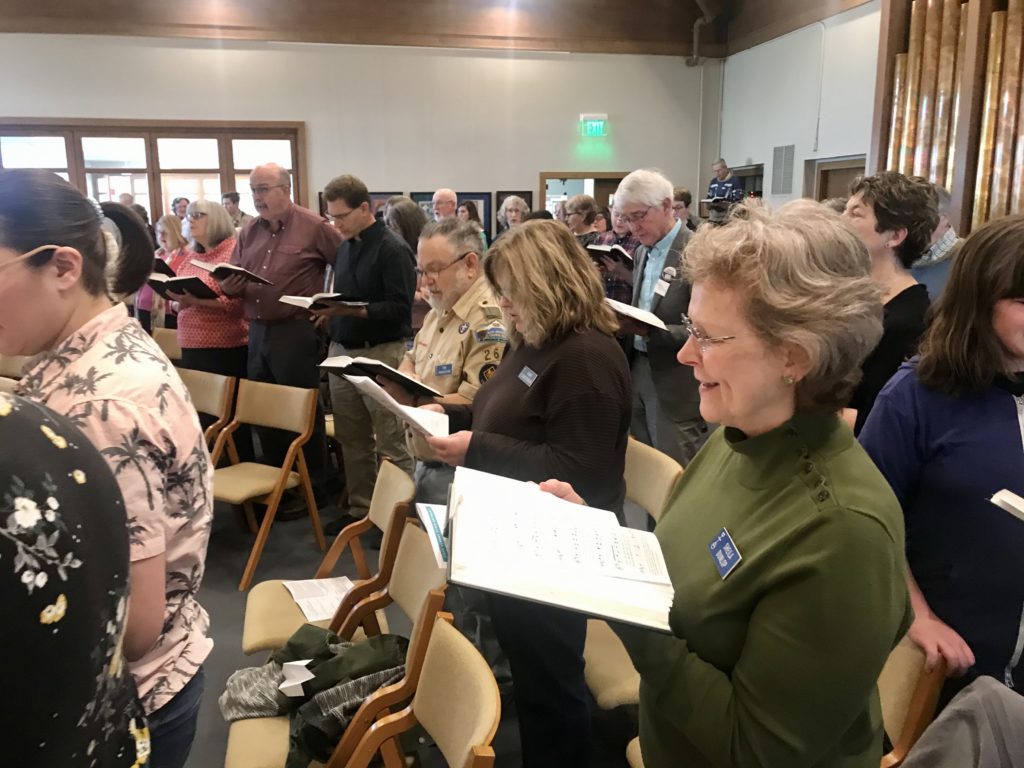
570, 423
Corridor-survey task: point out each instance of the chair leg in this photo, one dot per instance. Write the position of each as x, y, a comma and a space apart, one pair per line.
261, 538
391, 754
314, 513
250, 516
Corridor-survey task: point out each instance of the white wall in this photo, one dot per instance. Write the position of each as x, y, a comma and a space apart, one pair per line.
401, 118
772, 92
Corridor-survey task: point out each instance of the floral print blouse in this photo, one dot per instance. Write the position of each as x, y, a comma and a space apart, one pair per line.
64, 590
115, 384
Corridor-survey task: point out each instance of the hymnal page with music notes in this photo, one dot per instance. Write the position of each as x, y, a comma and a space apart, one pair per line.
510, 537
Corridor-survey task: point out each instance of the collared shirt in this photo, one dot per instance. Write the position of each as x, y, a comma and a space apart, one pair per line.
941, 250
375, 266
457, 351
111, 379
292, 253
240, 219
653, 267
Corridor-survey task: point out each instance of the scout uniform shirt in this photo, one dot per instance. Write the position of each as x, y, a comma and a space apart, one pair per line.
457, 351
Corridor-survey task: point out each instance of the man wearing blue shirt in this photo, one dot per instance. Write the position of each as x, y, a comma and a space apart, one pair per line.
666, 400
724, 186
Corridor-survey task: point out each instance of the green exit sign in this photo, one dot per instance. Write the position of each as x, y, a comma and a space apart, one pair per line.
594, 125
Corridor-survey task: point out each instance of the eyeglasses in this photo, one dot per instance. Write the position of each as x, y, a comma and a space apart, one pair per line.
636, 218
571, 213
196, 215
263, 189
335, 218
436, 271
28, 255
705, 341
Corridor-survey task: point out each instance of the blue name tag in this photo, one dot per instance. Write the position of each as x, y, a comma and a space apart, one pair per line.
443, 370
527, 376
724, 553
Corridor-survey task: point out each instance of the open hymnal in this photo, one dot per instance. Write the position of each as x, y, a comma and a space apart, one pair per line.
614, 252
318, 598
322, 301
429, 423
193, 286
162, 267
640, 315
223, 270
365, 366
434, 518
511, 538
1009, 502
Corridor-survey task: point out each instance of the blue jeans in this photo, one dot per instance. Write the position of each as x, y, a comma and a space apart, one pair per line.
173, 727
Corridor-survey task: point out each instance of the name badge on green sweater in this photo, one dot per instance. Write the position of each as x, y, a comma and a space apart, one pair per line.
724, 553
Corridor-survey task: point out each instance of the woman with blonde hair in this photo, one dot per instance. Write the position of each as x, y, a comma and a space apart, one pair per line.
783, 541
173, 248
559, 404
580, 214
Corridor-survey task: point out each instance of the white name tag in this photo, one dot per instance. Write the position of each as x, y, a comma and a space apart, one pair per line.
527, 376
661, 288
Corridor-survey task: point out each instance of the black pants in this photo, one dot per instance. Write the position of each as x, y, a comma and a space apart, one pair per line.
230, 361
288, 353
545, 651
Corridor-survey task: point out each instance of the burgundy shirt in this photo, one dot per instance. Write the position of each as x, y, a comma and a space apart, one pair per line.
292, 253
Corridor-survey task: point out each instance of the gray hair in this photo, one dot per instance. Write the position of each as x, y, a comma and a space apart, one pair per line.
462, 236
645, 186
512, 201
219, 226
945, 201
804, 276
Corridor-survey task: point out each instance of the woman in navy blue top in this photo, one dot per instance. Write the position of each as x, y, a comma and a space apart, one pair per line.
947, 432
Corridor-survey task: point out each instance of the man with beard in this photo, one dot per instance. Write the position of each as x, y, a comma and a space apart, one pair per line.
461, 342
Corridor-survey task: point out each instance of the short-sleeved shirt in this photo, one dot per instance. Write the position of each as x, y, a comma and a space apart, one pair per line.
64, 588
205, 328
115, 384
292, 253
458, 350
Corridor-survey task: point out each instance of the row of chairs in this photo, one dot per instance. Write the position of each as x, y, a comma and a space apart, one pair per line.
452, 691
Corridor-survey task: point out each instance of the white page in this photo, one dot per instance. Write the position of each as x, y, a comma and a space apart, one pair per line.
435, 518
295, 674
636, 313
1009, 502
319, 598
427, 422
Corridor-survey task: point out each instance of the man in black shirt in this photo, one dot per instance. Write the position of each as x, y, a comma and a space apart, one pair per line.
376, 266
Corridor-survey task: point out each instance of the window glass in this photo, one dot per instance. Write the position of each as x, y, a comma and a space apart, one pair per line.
187, 153
113, 152
248, 153
33, 152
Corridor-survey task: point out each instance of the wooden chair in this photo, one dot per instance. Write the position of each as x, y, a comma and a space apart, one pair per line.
279, 407
417, 587
7, 385
11, 366
651, 477
213, 395
167, 340
272, 616
909, 695
456, 703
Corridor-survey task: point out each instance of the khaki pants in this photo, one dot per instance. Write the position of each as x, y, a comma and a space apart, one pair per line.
365, 430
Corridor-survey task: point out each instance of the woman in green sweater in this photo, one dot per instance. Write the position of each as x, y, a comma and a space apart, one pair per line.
784, 543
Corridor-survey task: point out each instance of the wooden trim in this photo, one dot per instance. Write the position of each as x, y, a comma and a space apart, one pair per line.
766, 21
159, 125
542, 187
968, 127
895, 29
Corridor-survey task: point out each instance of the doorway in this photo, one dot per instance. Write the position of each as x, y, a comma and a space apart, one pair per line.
832, 177
558, 186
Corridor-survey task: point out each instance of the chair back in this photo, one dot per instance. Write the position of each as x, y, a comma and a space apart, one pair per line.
908, 695
415, 574
393, 487
167, 340
11, 366
212, 394
651, 476
275, 405
457, 700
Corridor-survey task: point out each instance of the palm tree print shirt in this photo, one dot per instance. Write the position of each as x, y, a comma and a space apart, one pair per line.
115, 384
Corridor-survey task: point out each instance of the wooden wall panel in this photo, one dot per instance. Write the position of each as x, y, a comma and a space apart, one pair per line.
891, 43
898, 97
603, 26
944, 91
926, 98
958, 94
989, 118
1006, 123
918, 14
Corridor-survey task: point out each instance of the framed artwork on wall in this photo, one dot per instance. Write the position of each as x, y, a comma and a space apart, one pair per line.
377, 201
482, 201
425, 200
501, 195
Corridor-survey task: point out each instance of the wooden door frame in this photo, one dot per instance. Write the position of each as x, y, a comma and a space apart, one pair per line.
542, 186
814, 169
